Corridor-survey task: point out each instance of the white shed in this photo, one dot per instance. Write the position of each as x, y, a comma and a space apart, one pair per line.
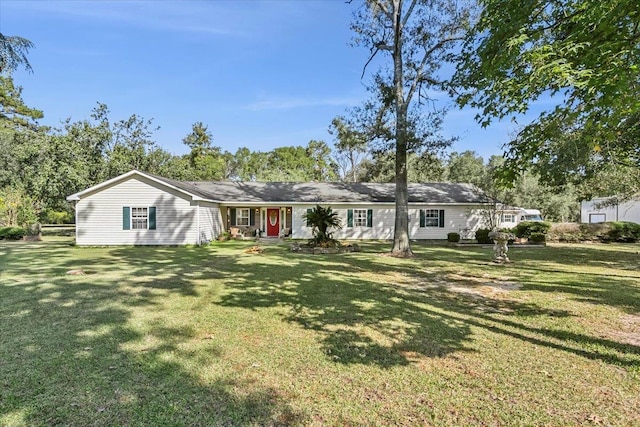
598, 210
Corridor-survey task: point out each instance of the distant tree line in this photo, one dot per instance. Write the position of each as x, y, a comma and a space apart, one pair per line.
40, 166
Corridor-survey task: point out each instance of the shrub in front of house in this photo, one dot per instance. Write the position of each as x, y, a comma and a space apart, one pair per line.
623, 231
537, 238
568, 232
526, 228
595, 232
453, 237
482, 236
12, 233
224, 236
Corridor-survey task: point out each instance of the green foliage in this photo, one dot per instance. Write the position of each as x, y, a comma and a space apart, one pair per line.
322, 220
224, 236
12, 233
51, 216
526, 229
351, 147
14, 114
453, 237
623, 231
538, 238
482, 236
583, 53
13, 53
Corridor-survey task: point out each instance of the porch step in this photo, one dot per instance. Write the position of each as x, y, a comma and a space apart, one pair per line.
269, 240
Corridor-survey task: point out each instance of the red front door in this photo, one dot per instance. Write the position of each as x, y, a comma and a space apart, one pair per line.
273, 222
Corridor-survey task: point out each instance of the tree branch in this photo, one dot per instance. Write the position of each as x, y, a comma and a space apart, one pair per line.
408, 14
364, 69
383, 7
420, 77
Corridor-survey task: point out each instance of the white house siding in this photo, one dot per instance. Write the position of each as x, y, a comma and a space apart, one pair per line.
627, 211
457, 218
99, 215
210, 221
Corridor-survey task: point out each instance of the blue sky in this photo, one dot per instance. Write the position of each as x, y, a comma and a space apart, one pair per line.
260, 74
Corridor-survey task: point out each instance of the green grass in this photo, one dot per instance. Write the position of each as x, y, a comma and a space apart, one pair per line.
216, 336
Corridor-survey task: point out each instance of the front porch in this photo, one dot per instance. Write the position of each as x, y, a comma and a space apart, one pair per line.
262, 221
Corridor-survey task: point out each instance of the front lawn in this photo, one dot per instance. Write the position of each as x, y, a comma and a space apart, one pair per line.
217, 336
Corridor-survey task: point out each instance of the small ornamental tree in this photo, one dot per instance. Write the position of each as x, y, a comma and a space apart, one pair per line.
322, 220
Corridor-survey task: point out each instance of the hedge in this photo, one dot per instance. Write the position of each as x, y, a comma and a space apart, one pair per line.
482, 236
619, 231
527, 228
12, 233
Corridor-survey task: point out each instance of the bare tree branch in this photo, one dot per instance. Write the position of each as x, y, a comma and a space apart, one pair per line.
420, 77
409, 12
364, 69
383, 8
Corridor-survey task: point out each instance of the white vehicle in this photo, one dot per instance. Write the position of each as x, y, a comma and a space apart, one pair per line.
510, 217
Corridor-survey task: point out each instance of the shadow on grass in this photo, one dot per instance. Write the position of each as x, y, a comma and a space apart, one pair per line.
70, 357
372, 322
72, 334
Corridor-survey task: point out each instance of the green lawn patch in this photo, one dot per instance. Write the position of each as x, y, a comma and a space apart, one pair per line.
217, 336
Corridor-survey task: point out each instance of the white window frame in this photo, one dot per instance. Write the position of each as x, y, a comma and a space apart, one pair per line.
240, 211
139, 216
512, 218
360, 217
429, 219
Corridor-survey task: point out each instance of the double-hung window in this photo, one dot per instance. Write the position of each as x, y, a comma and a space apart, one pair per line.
138, 218
242, 217
359, 217
432, 218
508, 218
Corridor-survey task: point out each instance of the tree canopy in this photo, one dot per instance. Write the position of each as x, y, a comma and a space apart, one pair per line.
13, 53
584, 55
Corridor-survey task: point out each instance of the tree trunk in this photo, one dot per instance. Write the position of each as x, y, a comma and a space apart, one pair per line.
401, 243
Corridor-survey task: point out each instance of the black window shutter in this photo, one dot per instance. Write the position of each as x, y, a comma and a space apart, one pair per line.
252, 217
126, 218
308, 213
233, 216
441, 217
349, 217
369, 217
422, 218
152, 218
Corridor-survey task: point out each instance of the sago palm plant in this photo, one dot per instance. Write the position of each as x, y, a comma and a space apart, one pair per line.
322, 220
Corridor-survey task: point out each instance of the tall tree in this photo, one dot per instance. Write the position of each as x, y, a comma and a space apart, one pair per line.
380, 167
351, 147
324, 168
199, 141
419, 37
584, 55
13, 53
467, 167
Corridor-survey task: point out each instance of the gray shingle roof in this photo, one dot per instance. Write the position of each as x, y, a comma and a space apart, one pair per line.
327, 192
